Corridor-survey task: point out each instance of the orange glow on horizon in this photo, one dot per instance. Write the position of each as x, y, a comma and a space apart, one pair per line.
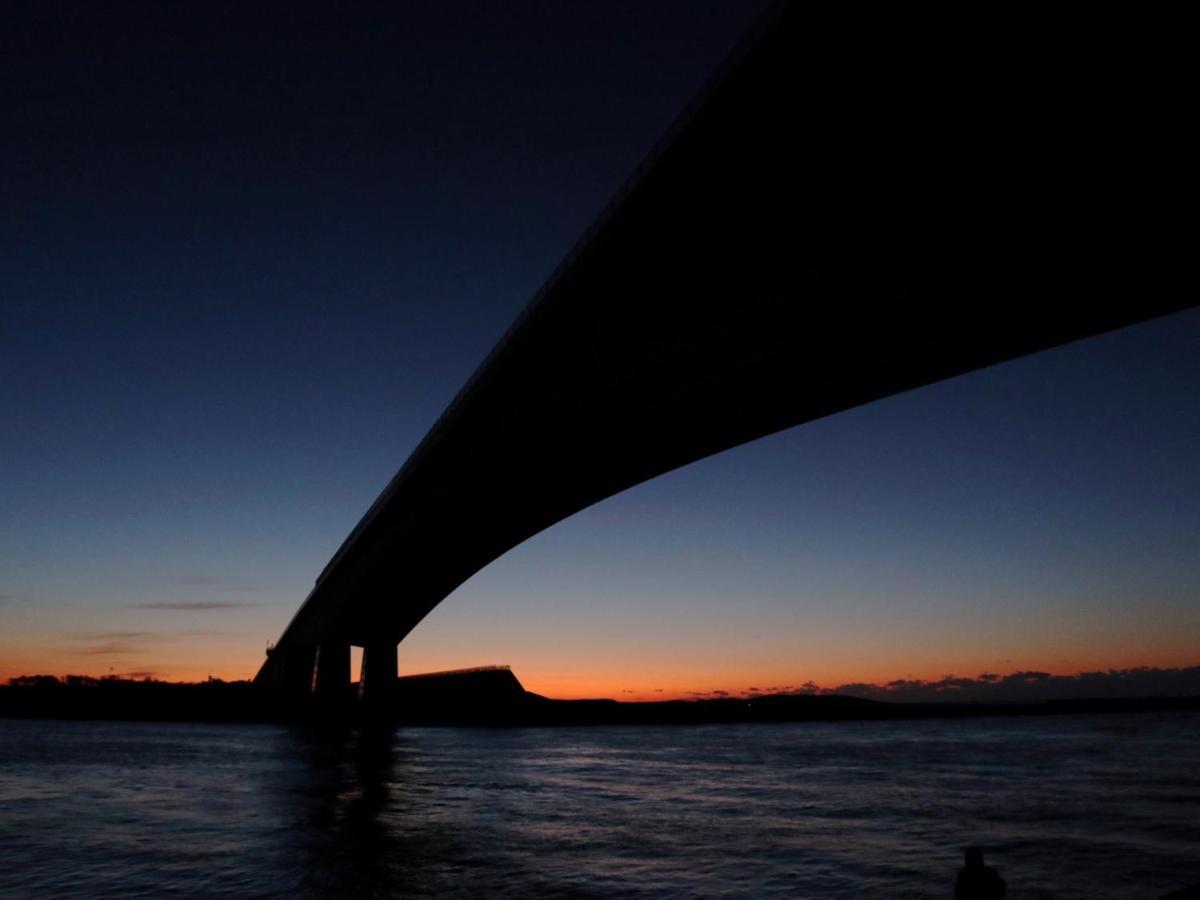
629, 686
605, 686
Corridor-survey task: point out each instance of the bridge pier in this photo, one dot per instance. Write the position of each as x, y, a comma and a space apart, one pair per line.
332, 668
294, 669
378, 676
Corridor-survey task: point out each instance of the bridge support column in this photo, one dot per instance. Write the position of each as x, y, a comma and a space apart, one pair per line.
378, 676
294, 669
333, 667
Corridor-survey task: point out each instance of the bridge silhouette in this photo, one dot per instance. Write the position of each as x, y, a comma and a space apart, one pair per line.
849, 210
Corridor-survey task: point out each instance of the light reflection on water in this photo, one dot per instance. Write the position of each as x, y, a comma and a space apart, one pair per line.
1091, 807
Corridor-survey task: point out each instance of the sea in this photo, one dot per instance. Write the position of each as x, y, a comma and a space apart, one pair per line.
1075, 806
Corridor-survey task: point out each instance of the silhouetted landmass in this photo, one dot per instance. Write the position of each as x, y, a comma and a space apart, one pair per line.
82, 697
1033, 686
494, 696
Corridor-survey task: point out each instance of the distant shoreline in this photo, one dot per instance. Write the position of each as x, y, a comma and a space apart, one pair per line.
479, 703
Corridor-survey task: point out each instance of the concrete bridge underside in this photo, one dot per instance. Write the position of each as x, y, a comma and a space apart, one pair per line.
849, 211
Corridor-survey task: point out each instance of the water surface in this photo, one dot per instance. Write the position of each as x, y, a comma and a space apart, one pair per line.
1098, 806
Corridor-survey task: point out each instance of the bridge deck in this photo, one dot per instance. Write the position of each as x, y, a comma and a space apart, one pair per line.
848, 212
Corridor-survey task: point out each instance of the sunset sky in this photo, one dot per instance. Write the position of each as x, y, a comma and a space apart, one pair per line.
245, 266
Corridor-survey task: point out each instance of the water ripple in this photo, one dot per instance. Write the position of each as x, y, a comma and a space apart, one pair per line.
1078, 807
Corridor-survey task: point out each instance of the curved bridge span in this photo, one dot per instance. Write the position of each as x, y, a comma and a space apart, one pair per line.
846, 213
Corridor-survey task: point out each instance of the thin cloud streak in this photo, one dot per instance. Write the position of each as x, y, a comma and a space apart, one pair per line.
227, 584
108, 635
108, 648
191, 605
124, 643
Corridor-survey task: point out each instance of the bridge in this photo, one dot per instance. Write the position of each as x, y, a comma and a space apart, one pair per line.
849, 210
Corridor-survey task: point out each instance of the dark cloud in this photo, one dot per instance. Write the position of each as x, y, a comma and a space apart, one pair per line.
191, 605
